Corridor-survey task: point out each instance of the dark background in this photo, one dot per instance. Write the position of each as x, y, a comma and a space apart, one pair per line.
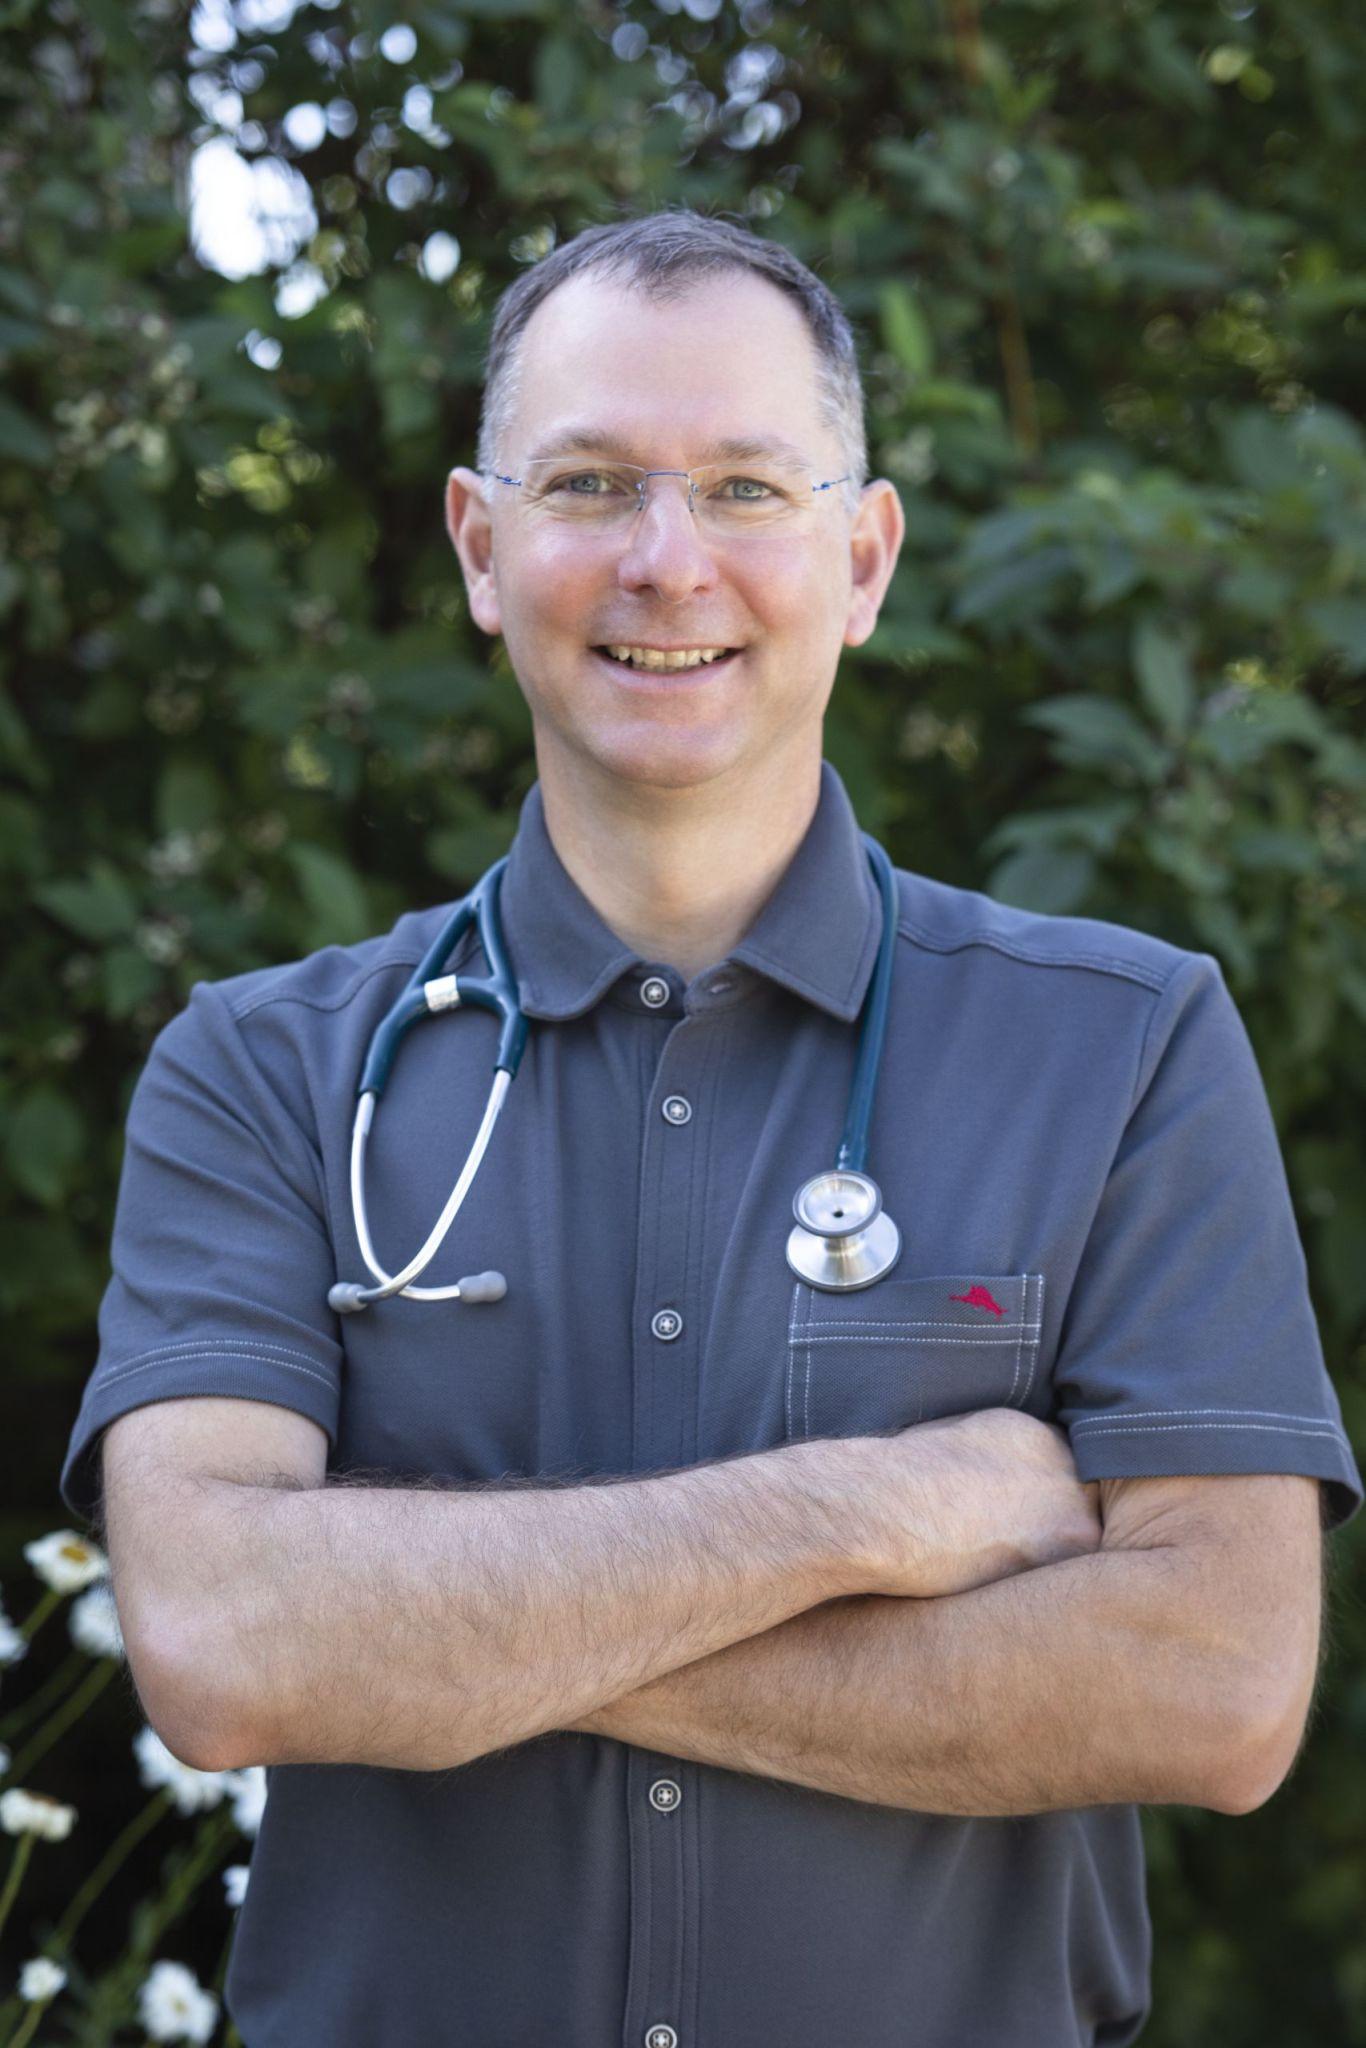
1108, 271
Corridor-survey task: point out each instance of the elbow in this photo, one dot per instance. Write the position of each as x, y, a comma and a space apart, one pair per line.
180, 1684
1255, 1752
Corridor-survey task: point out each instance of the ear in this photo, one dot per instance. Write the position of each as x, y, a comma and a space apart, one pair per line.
470, 526
874, 544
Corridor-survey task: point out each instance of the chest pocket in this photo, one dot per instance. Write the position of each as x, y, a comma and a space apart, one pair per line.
907, 1351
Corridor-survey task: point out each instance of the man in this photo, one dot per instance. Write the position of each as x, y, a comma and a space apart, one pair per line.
700, 1656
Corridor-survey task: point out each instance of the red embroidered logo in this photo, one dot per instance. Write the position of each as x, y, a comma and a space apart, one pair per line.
977, 1297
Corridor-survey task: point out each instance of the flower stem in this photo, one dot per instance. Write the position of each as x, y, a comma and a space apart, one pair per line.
208, 1844
27, 2024
70, 1710
31, 1709
23, 1850
99, 1877
38, 1615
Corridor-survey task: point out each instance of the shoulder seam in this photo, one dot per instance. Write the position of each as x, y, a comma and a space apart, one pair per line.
250, 1004
1099, 963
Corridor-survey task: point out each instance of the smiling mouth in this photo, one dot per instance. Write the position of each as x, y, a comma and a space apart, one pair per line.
656, 662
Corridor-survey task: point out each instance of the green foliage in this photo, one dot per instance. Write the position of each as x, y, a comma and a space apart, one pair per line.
1109, 272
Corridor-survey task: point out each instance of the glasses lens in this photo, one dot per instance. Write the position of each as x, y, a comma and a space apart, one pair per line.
733, 499
581, 491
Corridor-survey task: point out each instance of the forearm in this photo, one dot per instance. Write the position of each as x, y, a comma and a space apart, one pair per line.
1081, 1683
419, 1629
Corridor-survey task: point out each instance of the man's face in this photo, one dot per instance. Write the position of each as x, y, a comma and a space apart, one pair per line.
731, 359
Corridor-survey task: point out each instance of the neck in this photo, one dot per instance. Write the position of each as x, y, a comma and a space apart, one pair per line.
679, 875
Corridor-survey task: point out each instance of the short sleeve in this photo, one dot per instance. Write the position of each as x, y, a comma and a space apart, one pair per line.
1189, 1343
221, 1254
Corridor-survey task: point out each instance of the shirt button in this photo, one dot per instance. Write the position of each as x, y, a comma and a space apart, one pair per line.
676, 1108
660, 2037
654, 992
665, 1794
667, 1324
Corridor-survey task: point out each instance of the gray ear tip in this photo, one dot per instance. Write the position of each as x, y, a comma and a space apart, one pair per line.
483, 1287
345, 1298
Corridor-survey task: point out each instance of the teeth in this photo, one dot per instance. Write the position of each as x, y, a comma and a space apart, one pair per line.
651, 657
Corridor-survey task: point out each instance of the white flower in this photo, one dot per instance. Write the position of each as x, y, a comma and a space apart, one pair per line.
235, 1882
33, 1813
247, 1790
94, 1623
191, 1789
65, 1561
13, 1646
41, 1979
173, 2007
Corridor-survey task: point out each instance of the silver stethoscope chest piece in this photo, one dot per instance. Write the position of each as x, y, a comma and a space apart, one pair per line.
842, 1237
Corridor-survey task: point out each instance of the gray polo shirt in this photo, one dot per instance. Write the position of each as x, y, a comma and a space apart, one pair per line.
1072, 1136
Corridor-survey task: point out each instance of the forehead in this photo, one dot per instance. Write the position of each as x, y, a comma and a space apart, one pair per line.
728, 356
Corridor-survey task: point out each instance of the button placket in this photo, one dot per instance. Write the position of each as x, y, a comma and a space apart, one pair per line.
666, 1329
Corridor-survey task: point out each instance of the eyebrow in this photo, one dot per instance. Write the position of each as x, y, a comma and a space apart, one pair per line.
575, 440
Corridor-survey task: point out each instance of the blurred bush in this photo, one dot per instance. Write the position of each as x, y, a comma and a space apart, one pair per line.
1108, 267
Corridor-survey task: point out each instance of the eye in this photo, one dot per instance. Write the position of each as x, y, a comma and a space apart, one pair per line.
747, 487
568, 484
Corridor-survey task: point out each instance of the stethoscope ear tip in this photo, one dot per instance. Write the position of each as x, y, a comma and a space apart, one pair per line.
347, 1297
483, 1287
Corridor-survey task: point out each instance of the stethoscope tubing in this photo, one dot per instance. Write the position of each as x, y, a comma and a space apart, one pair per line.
430, 990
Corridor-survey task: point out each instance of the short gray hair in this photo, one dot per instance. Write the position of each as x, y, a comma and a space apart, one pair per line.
662, 254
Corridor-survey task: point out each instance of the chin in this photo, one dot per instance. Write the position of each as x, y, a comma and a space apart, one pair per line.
663, 760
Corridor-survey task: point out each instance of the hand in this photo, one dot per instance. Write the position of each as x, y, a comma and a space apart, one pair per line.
969, 1499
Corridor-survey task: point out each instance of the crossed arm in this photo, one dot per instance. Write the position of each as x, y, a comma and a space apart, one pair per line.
1176, 1664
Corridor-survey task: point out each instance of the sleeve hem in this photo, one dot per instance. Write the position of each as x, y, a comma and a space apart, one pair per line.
225, 1370
1124, 1450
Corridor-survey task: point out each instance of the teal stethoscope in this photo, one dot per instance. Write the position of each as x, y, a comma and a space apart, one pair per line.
842, 1238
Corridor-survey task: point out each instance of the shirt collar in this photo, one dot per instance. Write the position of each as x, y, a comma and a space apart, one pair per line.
816, 935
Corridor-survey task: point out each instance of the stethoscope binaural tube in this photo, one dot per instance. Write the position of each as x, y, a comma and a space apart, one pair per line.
843, 1238
427, 993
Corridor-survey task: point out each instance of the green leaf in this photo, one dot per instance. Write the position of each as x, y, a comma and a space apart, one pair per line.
43, 1143
1017, 590
558, 74
189, 796
128, 978
335, 896
1162, 664
101, 906
1050, 878
1098, 731
905, 328
1097, 827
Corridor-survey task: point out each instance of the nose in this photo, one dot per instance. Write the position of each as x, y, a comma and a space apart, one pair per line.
665, 549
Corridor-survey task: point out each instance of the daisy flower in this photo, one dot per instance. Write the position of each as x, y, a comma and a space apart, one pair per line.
174, 2007
33, 1813
191, 1790
65, 1561
94, 1622
41, 1979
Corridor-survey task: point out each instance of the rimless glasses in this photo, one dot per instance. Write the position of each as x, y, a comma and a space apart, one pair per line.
725, 499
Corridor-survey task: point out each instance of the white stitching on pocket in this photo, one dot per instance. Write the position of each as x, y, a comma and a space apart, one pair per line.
931, 1390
